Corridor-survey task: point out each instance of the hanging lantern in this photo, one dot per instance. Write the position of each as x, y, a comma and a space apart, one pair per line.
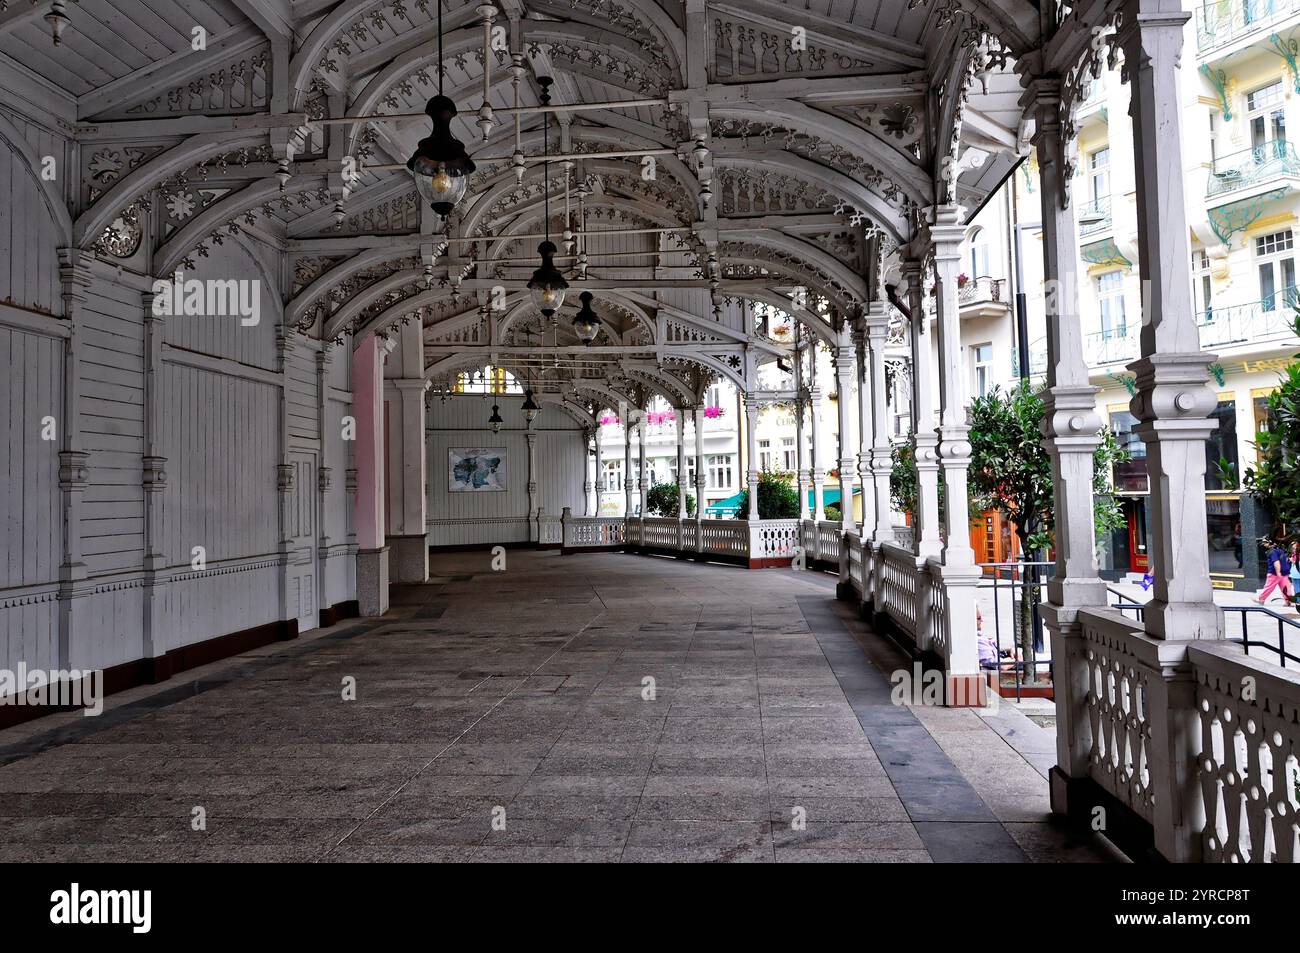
547, 284
440, 165
58, 20
495, 420
586, 325
529, 407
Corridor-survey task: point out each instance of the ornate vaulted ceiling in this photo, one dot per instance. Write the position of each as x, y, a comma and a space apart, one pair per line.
828, 124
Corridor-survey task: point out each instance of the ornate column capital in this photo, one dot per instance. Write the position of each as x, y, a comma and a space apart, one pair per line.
74, 470
153, 476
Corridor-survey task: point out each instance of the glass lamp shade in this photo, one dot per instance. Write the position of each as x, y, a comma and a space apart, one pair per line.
495, 420
585, 324
529, 407
547, 285
440, 166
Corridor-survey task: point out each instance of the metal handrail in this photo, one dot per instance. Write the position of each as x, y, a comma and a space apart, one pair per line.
1128, 603
1266, 161
1219, 23
1099, 206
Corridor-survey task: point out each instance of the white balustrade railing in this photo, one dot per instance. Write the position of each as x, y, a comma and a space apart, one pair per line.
827, 542
550, 531
593, 532
773, 539
1247, 748
899, 586
660, 532
854, 544
725, 537
1117, 658
932, 589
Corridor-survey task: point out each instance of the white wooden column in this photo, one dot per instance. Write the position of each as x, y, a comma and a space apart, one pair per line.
863, 391
368, 460
844, 362
600, 466
925, 438
958, 573
751, 455
818, 467
1173, 399
534, 509
1070, 425
285, 470
640, 468
681, 463
588, 471
154, 481
629, 481
325, 598
1172, 404
701, 476
876, 330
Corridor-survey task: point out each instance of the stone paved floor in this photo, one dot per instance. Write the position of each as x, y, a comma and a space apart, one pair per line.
521, 695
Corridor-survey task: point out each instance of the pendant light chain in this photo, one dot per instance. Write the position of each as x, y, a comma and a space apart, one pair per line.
440, 61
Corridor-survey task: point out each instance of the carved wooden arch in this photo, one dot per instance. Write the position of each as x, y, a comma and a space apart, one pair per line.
522, 307
178, 246
337, 323
823, 262
900, 168
665, 385
91, 223
834, 181
13, 138
341, 272
476, 215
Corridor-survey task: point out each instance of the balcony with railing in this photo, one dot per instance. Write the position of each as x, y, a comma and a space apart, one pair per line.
1223, 23
1263, 165
1255, 322
1111, 346
983, 297
1094, 217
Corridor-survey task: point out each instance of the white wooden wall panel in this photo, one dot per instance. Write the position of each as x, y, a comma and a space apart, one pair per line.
31, 388
29, 238
112, 428
226, 335
219, 438
303, 394
460, 519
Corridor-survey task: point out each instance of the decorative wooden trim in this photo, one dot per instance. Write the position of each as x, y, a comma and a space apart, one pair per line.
221, 365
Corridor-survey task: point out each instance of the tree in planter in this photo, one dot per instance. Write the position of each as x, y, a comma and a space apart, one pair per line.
1011, 472
777, 499
833, 514
661, 500
1275, 481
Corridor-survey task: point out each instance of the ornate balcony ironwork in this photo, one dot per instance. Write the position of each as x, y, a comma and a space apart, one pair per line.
1094, 216
1267, 161
1220, 23
981, 289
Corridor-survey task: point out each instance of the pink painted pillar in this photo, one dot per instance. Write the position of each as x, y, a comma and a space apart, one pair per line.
368, 409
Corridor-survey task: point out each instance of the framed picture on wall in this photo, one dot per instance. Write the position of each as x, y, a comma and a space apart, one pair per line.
476, 469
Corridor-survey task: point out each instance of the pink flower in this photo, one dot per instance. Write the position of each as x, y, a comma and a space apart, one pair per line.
713, 411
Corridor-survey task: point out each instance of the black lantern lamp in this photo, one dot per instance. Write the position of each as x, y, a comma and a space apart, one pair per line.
440, 165
495, 420
547, 284
585, 323
529, 407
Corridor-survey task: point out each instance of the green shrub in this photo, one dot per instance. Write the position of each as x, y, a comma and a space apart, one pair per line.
777, 499
661, 500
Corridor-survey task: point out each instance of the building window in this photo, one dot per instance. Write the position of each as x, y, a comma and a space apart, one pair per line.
720, 472
1130, 476
1099, 173
1259, 401
765, 454
789, 462
1267, 117
614, 475
1110, 298
1275, 262
979, 253
1221, 449
1202, 287
982, 355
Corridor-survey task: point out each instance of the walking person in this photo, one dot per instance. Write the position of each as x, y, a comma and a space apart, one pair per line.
1278, 568
1295, 572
